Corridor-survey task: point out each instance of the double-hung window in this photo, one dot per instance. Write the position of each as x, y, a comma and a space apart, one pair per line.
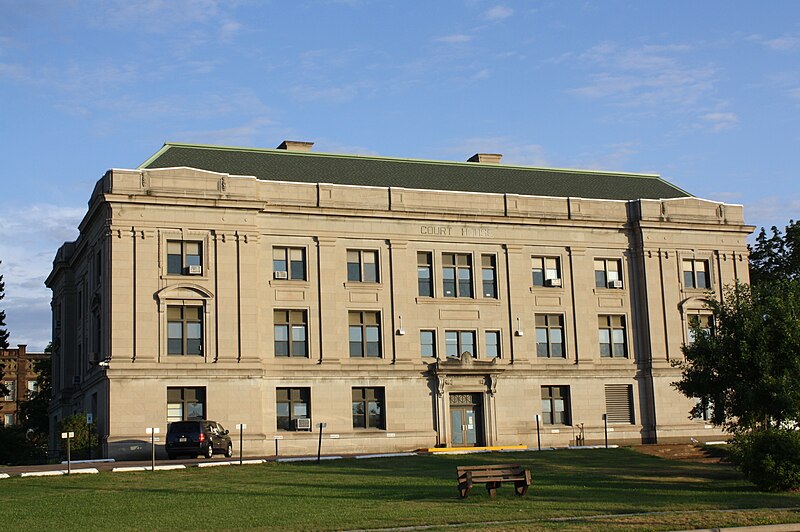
555, 405
607, 273
703, 323
492, 344
11, 386
695, 274
425, 273
489, 275
458, 342
550, 336
186, 404
365, 334
184, 257
612, 336
457, 274
368, 408
291, 333
289, 263
546, 271
362, 266
292, 404
184, 330
427, 343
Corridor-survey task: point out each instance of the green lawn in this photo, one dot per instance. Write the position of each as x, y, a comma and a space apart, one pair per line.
376, 493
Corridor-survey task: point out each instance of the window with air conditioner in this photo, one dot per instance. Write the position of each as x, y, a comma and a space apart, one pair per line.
289, 263
546, 271
184, 257
293, 408
608, 273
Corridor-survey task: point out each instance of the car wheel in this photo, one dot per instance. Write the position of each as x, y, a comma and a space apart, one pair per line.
209, 451
229, 450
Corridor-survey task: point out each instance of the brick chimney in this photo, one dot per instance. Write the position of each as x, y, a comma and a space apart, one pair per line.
488, 158
295, 145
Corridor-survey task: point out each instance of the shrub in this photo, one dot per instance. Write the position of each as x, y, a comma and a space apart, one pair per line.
79, 445
17, 449
769, 458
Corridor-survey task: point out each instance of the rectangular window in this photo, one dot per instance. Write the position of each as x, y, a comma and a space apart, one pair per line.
33, 388
186, 404
8, 420
555, 405
695, 274
362, 266
184, 330
611, 332
368, 410
546, 271
425, 273
619, 403
292, 404
289, 263
365, 334
702, 322
489, 275
608, 273
458, 342
427, 343
457, 274
11, 386
550, 336
703, 410
291, 333
492, 344
184, 258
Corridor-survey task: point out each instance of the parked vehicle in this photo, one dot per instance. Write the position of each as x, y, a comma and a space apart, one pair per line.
195, 438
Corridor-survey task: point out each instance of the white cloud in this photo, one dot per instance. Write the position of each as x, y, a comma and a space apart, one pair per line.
609, 157
782, 44
251, 133
498, 13
644, 76
767, 211
455, 38
719, 121
795, 93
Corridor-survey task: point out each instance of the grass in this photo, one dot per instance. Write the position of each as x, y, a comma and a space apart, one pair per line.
377, 493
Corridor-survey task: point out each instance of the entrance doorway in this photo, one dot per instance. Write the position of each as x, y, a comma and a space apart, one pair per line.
466, 421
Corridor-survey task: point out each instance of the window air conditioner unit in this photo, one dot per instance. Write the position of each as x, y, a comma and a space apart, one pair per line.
195, 270
615, 284
553, 282
302, 423
281, 275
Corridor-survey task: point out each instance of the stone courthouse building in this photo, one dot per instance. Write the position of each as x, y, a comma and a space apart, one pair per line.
404, 303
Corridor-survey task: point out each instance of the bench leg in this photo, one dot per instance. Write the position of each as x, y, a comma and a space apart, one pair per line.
521, 487
491, 487
463, 492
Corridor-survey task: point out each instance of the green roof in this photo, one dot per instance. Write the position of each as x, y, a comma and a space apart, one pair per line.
310, 167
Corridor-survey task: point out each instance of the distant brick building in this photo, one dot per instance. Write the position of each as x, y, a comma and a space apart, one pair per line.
19, 377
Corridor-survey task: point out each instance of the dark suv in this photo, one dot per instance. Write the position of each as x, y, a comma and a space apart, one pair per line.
195, 438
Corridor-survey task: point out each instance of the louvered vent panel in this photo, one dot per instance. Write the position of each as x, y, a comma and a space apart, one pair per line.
619, 403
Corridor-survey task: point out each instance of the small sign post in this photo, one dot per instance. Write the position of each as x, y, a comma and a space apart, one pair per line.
152, 431
241, 427
538, 435
605, 427
68, 436
319, 445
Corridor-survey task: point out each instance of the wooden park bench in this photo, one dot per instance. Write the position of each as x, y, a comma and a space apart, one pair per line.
493, 476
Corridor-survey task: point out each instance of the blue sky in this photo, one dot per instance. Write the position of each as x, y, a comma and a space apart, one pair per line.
707, 94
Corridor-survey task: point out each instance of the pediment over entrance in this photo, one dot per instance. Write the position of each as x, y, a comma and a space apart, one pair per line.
465, 373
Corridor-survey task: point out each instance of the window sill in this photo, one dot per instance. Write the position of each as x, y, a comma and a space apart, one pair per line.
457, 300
359, 285
609, 291
290, 282
183, 277
547, 289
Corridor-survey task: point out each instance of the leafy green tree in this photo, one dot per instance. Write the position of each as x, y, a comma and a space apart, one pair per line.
776, 256
33, 409
749, 366
79, 445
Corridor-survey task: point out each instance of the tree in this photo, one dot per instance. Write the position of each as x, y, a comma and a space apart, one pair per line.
3, 331
33, 416
777, 256
748, 368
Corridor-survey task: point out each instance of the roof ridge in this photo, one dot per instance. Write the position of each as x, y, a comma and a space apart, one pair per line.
466, 164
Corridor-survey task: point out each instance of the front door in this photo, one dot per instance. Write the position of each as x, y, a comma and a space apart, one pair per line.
465, 420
